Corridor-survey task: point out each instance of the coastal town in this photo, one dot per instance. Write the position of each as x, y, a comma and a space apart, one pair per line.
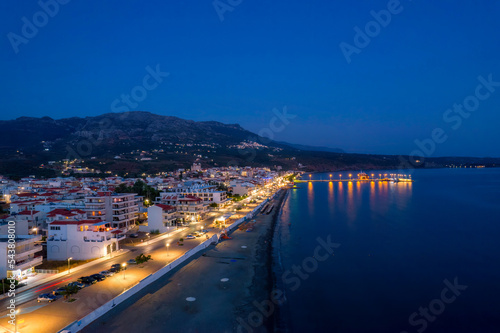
60, 237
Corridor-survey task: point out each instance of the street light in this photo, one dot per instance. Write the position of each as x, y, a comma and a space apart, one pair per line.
330, 177
35, 230
124, 267
340, 176
69, 267
350, 176
168, 245
17, 317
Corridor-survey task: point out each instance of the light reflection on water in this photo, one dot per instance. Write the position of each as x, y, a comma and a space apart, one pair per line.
396, 238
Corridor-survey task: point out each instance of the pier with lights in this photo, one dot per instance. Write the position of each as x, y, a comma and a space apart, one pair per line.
363, 177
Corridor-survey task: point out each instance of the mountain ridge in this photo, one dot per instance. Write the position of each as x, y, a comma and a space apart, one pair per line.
138, 142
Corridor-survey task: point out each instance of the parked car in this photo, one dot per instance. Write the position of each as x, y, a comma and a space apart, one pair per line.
76, 284
115, 268
107, 273
46, 298
98, 277
190, 237
131, 262
197, 234
87, 280
133, 235
58, 291
204, 231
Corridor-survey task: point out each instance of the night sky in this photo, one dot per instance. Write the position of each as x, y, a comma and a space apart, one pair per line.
239, 61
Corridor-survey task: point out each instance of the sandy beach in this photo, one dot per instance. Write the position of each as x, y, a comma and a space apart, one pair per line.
225, 285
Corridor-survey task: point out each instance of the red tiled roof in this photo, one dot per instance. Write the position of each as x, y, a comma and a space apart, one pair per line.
64, 212
190, 198
25, 195
74, 222
28, 212
165, 207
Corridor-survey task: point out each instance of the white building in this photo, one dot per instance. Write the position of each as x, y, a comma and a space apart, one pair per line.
189, 208
27, 256
161, 218
207, 193
120, 209
80, 239
34, 220
242, 188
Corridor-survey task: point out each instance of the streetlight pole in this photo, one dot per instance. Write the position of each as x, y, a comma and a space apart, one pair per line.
168, 245
17, 317
124, 265
69, 267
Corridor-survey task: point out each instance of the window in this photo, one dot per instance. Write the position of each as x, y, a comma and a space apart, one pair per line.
55, 228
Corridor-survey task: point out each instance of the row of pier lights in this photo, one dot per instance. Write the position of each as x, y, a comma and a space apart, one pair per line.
390, 176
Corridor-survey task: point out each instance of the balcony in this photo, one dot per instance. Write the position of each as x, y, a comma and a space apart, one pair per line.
22, 242
23, 254
32, 262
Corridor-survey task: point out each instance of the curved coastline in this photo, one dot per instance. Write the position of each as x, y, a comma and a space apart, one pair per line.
281, 322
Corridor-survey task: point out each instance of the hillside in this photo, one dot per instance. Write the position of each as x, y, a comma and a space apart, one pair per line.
141, 142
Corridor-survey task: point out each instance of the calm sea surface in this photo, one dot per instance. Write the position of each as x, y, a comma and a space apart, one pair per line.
398, 244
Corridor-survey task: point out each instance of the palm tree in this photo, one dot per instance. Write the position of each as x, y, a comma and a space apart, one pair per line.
70, 290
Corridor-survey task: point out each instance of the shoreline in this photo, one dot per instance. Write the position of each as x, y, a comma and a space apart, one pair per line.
262, 288
281, 318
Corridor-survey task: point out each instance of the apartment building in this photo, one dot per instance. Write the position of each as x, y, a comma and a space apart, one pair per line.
160, 217
120, 209
27, 256
207, 193
80, 239
189, 208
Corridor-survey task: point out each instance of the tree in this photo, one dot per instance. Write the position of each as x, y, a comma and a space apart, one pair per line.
141, 258
141, 188
214, 205
70, 290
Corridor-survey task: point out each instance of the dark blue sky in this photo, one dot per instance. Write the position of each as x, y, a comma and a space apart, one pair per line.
265, 55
